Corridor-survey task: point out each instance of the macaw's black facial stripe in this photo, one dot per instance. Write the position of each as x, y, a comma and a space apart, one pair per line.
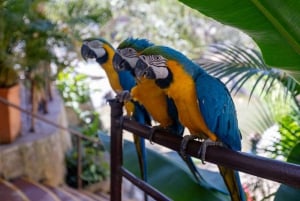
140, 68
149, 73
165, 83
125, 65
103, 59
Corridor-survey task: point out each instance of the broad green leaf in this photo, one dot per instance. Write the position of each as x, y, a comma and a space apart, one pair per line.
286, 192
294, 156
168, 177
273, 25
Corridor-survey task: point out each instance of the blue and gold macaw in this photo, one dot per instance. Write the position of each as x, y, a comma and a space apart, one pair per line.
146, 92
103, 52
203, 102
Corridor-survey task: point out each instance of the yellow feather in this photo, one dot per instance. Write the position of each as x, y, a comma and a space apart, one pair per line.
147, 93
112, 75
183, 92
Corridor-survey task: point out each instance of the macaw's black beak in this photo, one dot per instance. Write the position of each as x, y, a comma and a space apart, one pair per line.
119, 63
143, 70
87, 53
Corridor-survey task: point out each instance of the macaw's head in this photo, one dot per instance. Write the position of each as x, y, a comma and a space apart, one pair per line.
96, 48
153, 64
126, 55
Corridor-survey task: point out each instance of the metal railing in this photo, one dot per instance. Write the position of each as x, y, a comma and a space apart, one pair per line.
286, 173
79, 136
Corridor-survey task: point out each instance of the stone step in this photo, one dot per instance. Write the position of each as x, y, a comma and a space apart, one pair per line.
81, 196
10, 192
103, 196
94, 196
63, 194
34, 191
23, 189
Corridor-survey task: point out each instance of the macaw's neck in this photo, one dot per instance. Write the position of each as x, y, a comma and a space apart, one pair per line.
107, 65
184, 94
181, 81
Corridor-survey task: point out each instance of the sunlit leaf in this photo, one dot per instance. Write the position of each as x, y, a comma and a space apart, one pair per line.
274, 25
286, 192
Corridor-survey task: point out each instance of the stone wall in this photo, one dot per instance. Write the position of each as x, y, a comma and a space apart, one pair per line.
39, 155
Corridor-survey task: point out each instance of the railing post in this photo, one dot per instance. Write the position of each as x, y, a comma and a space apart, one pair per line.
79, 163
116, 159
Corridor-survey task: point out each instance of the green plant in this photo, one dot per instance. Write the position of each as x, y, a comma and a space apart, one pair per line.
244, 68
267, 23
94, 166
90, 123
8, 76
286, 192
10, 20
240, 64
289, 128
74, 88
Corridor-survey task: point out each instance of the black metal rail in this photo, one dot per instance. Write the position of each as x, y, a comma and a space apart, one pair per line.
279, 171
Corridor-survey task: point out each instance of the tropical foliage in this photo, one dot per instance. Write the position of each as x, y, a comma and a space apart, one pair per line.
272, 24
74, 89
46, 34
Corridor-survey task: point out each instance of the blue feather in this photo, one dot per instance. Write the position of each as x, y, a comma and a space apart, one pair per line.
216, 107
218, 110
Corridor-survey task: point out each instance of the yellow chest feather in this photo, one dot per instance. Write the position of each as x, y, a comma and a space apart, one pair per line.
112, 75
183, 91
147, 93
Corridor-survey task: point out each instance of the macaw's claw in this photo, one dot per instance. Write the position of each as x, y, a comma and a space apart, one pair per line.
153, 130
123, 96
205, 144
186, 139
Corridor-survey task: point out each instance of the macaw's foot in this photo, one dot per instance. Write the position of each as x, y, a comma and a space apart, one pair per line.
205, 144
153, 130
186, 139
123, 96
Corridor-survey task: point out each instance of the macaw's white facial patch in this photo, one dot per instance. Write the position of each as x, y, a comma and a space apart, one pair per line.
130, 55
158, 66
97, 47
100, 52
132, 61
160, 72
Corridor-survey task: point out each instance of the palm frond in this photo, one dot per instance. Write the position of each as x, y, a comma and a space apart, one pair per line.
240, 64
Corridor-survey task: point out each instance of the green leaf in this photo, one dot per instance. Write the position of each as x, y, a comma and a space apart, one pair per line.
294, 156
168, 177
286, 192
240, 64
273, 25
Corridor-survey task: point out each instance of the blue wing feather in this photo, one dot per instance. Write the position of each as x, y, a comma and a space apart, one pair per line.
218, 110
176, 127
126, 79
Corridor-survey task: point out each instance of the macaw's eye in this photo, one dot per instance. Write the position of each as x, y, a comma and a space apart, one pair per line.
143, 57
157, 58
